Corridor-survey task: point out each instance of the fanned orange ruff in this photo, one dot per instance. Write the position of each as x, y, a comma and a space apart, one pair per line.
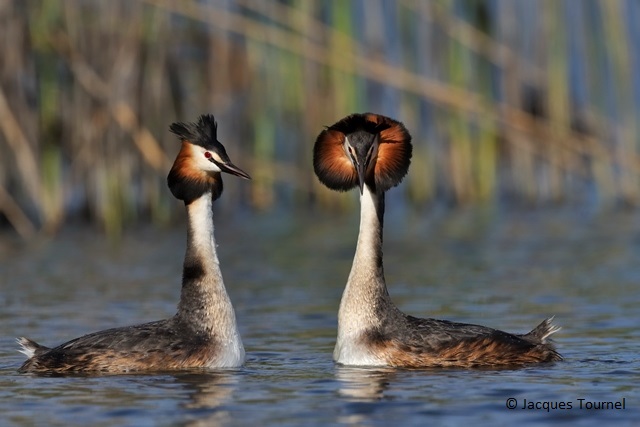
185, 166
394, 156
394, 151
187, 181
334, 168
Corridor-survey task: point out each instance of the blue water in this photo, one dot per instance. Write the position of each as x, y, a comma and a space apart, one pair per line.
285, 278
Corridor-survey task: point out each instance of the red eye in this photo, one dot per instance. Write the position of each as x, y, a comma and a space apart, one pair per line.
207, 154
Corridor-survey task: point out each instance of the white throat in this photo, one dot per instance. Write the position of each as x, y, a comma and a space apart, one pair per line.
365, 289
204, 302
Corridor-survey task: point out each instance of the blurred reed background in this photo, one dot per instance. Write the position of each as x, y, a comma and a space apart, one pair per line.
509, 102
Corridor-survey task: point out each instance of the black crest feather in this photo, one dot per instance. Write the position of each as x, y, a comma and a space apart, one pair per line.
204, 132
359, 122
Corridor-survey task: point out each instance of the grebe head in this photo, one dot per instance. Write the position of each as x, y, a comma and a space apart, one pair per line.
200, 161
362, 149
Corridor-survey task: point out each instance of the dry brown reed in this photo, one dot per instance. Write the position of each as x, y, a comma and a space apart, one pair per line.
531, 102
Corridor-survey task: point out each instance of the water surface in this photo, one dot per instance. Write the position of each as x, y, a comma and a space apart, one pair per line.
285, 278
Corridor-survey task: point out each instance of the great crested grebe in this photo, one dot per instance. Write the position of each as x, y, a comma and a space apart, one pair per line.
373, 152
203, 333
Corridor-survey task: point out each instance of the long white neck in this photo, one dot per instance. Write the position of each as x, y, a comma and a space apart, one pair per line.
365, 295
204, 303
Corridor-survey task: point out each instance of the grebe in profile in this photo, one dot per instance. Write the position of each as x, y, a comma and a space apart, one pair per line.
373, 152
203, 333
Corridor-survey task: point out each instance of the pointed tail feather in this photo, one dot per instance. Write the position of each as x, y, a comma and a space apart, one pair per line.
541, 332
30, 348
